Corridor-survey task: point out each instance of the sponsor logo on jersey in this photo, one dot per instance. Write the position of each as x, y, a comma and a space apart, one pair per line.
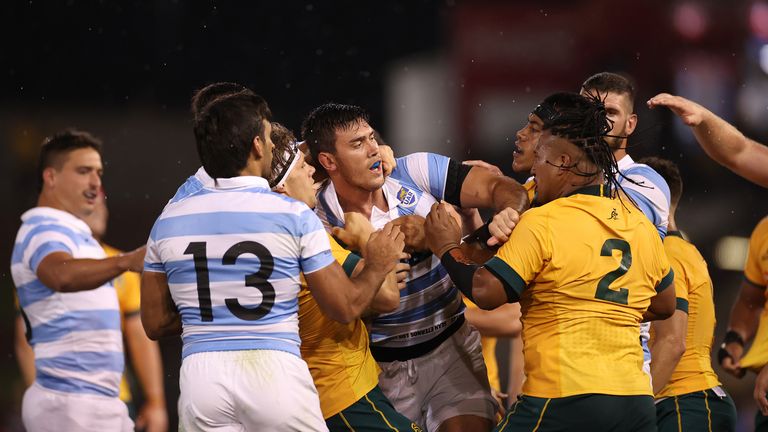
406, 197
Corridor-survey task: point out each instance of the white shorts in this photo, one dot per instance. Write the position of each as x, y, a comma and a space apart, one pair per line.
254, 390
449, 381
46, 410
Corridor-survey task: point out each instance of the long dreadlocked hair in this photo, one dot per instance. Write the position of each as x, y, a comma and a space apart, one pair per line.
583, 121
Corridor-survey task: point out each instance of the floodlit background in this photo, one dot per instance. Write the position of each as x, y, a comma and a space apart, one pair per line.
458, 78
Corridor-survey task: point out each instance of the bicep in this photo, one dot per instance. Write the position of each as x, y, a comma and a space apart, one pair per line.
751, 163
673, 327
48, 270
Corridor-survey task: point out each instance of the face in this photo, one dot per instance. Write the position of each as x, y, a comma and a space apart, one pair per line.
525, 142
75, 186
299, 185
619, 110
97, 220
545, 169
357, 157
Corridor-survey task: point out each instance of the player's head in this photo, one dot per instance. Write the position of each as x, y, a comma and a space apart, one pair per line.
232, 132
671, 173
342, 142
97, 220
209, 93
527, 138
291, 174
572, 150
69, 171
618, 94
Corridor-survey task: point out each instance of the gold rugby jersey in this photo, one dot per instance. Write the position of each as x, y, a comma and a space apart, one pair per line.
585, 268
756, 273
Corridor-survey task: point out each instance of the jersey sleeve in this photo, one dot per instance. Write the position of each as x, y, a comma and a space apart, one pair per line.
756, 267
46, 239
152, 261
428, 171
666, 274
521, 258
347, 259
314, 246
682, 283
128, 287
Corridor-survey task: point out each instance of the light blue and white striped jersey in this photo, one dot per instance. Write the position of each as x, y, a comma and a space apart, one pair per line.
653, 197
430, 302
76, 336
651, 193
232, 252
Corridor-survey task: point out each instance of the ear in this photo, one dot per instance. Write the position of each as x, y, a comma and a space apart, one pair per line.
631, 123
49, 177
565, 163
328, 161
258, 147
281, 189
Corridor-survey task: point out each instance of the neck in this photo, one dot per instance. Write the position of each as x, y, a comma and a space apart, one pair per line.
620, 152
356, 199
252, 168
672, 223
48, 200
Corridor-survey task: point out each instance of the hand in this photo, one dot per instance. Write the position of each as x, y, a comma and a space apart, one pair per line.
732, 364
152, 418
134, 260
502, 225
492, 168
413, 228
388, 161
356, 232
384, 248
442, 231
501, 399
691, 113
761, 386
402, 270
470, 219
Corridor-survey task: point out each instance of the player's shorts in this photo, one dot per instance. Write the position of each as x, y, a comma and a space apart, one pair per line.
706, 410
374, 413
449, 381
44, 410
254, 390
588, 412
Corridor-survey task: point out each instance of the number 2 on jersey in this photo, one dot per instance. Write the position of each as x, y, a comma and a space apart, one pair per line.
258, 280
604, 291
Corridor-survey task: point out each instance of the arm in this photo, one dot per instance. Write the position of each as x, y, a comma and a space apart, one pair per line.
482, 188
667, 347
719, 139
662, 305
24, 354
145, 358
159, 315
388, 297
744, 319
61, 272
504, 321
344, 300
761, 387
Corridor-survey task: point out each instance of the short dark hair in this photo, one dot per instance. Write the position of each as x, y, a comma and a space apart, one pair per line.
56, 147
319, 128
670, 172
207, 94
605, 82
225, 129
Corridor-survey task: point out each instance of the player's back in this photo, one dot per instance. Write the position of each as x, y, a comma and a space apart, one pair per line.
694, 370
232, 253
582, 310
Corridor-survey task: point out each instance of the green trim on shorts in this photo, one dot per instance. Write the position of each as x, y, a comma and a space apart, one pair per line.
372, 412
696, 411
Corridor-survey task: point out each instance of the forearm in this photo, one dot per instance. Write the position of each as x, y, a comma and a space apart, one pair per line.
507, 193
145, 357
365, 286
665, 354
744, 318
159, 315
24, 354
720, 140
503, 321
72, 275
387, 299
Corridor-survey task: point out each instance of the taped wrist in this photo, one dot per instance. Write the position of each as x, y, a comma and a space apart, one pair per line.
460, 271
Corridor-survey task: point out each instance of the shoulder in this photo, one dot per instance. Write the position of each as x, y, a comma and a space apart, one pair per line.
645, 173
761, 230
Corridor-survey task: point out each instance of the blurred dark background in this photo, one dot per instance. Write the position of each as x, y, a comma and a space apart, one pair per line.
458, 78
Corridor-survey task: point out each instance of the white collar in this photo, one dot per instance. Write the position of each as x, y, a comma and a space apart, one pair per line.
202, 176
240, 182
59, 215
625, 162
390, 188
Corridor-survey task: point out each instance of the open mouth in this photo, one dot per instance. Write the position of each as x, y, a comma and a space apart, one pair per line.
376, 167
91, 196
